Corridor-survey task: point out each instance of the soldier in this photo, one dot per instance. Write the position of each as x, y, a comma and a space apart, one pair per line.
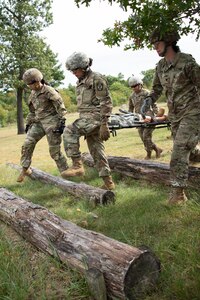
46, 117
94, 107
178, 75
135, 103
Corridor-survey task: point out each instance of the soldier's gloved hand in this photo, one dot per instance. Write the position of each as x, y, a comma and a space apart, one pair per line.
147, 103
104, 132
27, 128
61, 126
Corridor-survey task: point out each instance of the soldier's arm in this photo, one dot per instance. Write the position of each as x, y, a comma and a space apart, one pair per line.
58, 103
130, 105
156, 87
103, 95
155, 108
193, 72
30, 118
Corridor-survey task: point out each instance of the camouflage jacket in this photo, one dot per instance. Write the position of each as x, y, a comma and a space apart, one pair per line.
93, 97
44, 104
136, 101
180, 81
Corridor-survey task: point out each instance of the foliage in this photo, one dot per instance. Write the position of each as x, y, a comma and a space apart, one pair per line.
148, 77
22, 48
20, 45
7, 108
67, 97
71, 93
111, 79
144, 16
120, 93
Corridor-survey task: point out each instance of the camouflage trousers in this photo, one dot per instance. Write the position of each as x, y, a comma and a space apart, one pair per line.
90, 129
185, 138
36, 132
146, 137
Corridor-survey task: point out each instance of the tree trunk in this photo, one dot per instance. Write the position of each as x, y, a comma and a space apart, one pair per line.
153, 172
129, 272
20, 118
79, 190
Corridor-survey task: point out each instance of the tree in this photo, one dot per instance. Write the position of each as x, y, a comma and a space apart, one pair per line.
144, 16
111, 79
119, 93
148, 77
22, 48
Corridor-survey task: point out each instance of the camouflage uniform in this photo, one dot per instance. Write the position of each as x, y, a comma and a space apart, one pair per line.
181, 82
135, 104
46, 112
94, 106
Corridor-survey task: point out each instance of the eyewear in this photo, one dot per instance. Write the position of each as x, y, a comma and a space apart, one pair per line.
32, 82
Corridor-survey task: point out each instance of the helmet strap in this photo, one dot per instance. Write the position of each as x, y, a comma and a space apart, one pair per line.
165, 49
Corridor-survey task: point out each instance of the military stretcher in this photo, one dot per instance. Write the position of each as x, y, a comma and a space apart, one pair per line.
132, 120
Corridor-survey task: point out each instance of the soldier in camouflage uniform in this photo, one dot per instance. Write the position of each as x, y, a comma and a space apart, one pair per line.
178, 75
94, 107
46, 117
135, 103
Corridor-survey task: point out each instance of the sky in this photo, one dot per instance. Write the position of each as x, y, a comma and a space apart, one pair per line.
78, 29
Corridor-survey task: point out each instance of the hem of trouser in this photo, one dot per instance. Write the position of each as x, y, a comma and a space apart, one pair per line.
25, 167
178, 186
104, 175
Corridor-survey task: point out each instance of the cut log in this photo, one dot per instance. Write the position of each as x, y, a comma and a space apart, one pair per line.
150, 171
96, 284
79, 190
129, 272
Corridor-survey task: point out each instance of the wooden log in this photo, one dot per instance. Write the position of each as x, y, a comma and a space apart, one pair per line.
79, 190
150, 171
96, 284
129, 272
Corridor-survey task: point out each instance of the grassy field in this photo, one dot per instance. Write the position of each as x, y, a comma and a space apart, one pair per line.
140, 216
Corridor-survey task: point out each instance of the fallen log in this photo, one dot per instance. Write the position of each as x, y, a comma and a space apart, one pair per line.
150, 171
79, 190
128, 272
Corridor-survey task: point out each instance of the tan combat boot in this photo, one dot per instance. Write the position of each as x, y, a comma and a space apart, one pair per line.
75, 170
108, 183
177, 196
24, 172
148, 155
158, 151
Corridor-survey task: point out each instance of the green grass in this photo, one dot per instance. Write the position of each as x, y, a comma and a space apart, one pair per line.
140, 216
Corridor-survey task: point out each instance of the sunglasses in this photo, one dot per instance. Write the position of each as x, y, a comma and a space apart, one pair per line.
32, 82
133, 86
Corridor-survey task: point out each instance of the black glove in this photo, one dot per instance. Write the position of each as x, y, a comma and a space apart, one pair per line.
147, 103
60, 128
27, 128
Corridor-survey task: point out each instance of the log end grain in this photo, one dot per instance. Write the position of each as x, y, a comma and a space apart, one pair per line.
108, 198
142, 276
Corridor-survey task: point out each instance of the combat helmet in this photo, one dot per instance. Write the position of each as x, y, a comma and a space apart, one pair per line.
169, 37
134, 80
32, 75
77, 60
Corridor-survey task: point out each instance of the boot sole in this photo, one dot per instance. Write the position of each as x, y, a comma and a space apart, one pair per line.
72, 175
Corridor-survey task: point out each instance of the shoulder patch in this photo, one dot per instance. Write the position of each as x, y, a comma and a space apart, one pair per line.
99, 86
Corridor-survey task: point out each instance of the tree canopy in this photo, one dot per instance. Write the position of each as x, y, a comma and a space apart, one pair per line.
145, 16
